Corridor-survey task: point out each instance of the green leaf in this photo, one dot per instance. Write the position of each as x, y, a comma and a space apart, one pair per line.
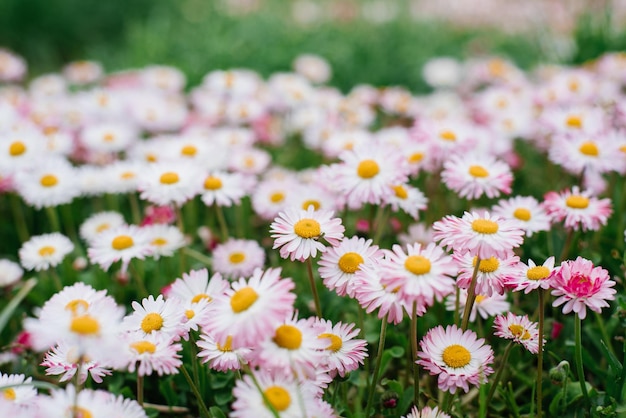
216, 412
222, 398
167, 390
613, 361
7, 312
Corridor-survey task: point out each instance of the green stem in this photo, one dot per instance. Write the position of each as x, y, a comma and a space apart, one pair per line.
605, 336
379, 225
413, 337
221, 220
578, 353
542, 302
566, 245
203, 409
140, 390
20, 219
496, 380
266, 402
197, 255
53, 217
316, 296
379, 357
457, 306
134, 208
471, 296
55, 278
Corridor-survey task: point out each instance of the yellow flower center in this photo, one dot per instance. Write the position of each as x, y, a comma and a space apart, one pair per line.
335, 341
17, 148
158, 242
122, 242
143, 347
9, 394
522, 214
367, 169
307, 228
212, 183
127, 175
102, 227
243, 299
85, 325
416, 157
188, 151
538, 273
589, 148
169, 178
228, 345
316, 204
201, 296
151, 322
47, 251
277, 397
108, 137
277, 197
577, 202
288, 336
485, 226
77, 305
488, 265
350, 262
189, 313
417, 264
78, 412
519, 331
574, 121
400, 192
237, 257
447, 135
49, 180
480, 298
151, 158
478, 171
456, 356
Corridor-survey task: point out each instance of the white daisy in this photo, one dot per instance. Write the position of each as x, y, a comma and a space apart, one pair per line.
122, 243
225, 189
51, 182
161, 316
238, 257
10, 272
170, 183
164, 239
99, 222
44, 251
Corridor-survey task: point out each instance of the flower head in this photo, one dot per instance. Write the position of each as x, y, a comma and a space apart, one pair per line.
519, 329
471, 176
44, 251
579, 209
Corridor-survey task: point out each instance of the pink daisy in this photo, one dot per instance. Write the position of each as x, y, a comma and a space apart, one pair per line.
148, 353
579, 209
408, 198
426, 412
473, 175
519, 329
238, 257
483, 236
493, 272
64, 360
578, 152
533, 276
343, 352
222, 356
579, 285
525, 209
457, 357
297, 232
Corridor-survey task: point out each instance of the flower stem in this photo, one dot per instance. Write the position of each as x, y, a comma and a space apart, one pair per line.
19, 217
261, 391
542, 302
53, 217
578, 354
203, 409
140, 390
471, 296
181, 227
197, 255
221, 220
379, 357
496, 379
413, 338
134, 208
316, 296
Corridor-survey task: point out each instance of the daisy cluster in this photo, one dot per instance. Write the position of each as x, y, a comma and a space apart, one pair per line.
443, 166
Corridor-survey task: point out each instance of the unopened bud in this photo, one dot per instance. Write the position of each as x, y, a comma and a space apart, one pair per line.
389, 400
559, 374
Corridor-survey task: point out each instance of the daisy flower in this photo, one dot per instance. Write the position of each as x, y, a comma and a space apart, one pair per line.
311, 194
156, 316
10, 272
44, 251
67, 402
238, 257
64, 359
426, 412
492, 275
17, 388
195, 286
473, 175
582, 152
483, 236
343, 352
485, 306
225, 189
519, 329
121, 243
164, 240
122, 176
108, 137
250, 308
99, 222
148, 353
532, 276
222, 356
339, 266
525, 209
419, 275
457, 357
118, 406
20, 151
51, 182
580, 285
416, 233
170, 183
271, 196
297, 232
408, 198
578, 208
249, 160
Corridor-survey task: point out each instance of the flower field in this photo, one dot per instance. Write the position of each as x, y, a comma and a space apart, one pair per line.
285, 243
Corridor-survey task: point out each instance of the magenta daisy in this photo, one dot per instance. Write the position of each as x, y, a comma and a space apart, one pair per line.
578, 208
472, 176
238, 257
525, 209
485, 306
519, 329
340, 265
343, 352
457, 357
298, 232
580, 285
533, 276
483, 236
492, 275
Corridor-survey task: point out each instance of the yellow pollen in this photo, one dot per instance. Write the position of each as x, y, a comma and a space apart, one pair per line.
488, 265
17, 148
188, 151
127, 175
103, 227
46, 251
212, 183
400, 192
278, 397
228, 345
243, 299
522, 214
623, 149
456, 356
417, 264
335, 341
77, 305
497, 68
158, 242
248, 162
478, 171
85, 325
151, 158
316, 204
49, 180
78, 412
574, 121
416, 157
307, 228
151, 322
537, 273
480, 298
350, 262
143, 347
485, 226
201, 296
367, 169
237, 257
277, 197
122, 242
589, 148
574, 85
447, 136
9, 394
288, 336
169, 178
577, 202
502, 103
189, 313
108, 137
519, 331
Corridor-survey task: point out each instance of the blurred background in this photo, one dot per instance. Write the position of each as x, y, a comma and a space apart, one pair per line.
382, 42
